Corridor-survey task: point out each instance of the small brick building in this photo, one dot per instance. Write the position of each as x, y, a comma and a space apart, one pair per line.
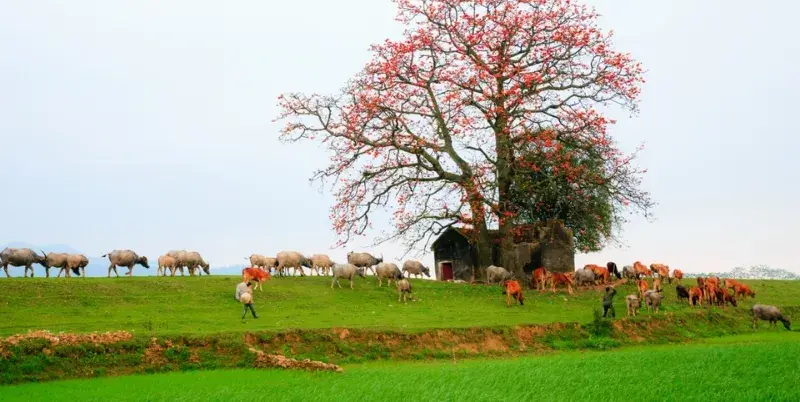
549, 244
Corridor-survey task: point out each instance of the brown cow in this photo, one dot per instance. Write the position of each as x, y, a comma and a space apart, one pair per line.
744, 291
657, 284
660, 269
725, 297
641, 269
560, 279
731, 283
512, 289
677, 275
257, 274
695, 296
539, 278
710, 292
642, 286
714, 280
601, 274
701, 282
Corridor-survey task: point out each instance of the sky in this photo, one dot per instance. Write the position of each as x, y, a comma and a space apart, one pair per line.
148, 125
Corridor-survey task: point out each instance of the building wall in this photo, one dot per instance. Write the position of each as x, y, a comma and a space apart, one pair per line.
453, 247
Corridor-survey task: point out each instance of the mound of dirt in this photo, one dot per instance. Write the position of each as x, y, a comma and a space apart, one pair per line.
264, 360
96, 338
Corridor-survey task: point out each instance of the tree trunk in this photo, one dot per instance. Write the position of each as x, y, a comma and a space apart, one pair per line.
481, 241
505, 177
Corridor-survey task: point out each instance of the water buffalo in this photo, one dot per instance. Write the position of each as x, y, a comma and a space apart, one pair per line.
55, 260
364, 260
292, 259
21, 257
77, 264
497, 274
192, 260
124, 258
321, 263
771, 314
347, 271
261, 261
584, 277
388, 271
415, 268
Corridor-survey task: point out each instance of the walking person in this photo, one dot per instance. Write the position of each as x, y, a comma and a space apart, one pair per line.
247, 299
242, 288
608, 300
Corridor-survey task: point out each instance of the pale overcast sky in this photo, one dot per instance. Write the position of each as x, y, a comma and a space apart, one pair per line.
147, 125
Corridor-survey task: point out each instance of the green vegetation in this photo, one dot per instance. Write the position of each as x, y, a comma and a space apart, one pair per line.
205, 305
755, 367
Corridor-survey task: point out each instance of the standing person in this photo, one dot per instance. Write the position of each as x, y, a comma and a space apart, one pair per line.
247, 299
608, 300
241, 288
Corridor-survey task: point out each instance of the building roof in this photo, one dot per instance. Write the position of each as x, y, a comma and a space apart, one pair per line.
523, 234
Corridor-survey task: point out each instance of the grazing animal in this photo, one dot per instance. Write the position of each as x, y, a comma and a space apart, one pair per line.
612, 268
744, 291
683, 294
21, 257
558, 278
124, 258
731, 284
701, 282
601, 275
77, 264
389, 271
642, 286
347, 271
55, 260
292, 259
584, 277
364, 260
628, 272
696, 296
415, 268
653, 300
498, 274
641, 270
512, 289
256, 274
677, 275
539, 278
725, 297
710, 291
180, 257
403, 288
713, 280
192, 260
660, 269
261, 261
657, 284
321, 263
166, 262
771, 314
634, 304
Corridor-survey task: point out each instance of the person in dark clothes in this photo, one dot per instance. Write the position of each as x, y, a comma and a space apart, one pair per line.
247, 299
608, 300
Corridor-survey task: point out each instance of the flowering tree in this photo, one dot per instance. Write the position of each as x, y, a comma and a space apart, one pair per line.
591, 197
434, 126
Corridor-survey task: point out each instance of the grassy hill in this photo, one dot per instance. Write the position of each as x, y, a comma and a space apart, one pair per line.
205, 305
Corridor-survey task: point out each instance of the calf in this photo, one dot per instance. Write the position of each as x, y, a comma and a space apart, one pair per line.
512, 289
403, 288
642, 286
560, 279
634, 304
539, 278
256, 274
727, 298
683, 294
653, 300
771, 314
696, 296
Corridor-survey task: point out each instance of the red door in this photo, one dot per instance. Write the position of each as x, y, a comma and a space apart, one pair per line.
447, 271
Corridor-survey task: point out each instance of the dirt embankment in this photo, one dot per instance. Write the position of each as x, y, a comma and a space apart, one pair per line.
42, 356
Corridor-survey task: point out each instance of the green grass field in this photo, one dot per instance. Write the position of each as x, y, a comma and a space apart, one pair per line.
205, 305
755, 367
